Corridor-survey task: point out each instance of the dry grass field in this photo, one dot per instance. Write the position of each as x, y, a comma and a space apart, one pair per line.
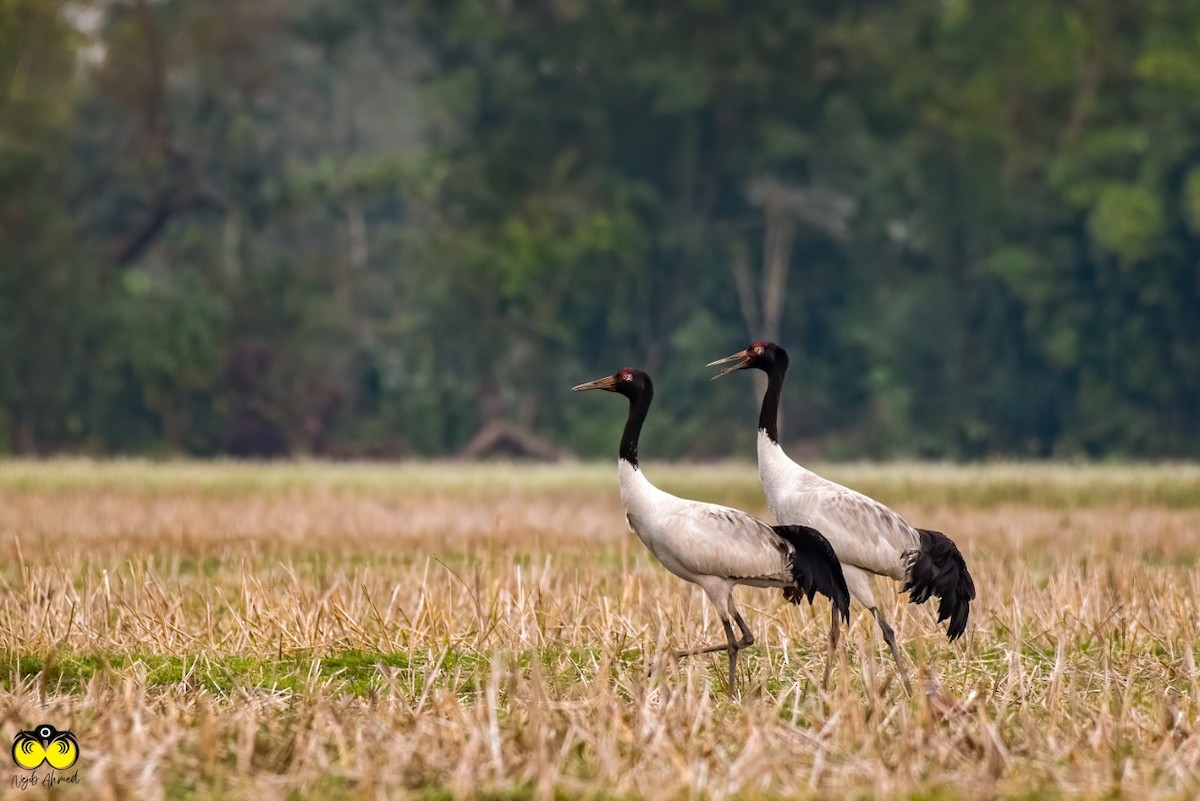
308, 631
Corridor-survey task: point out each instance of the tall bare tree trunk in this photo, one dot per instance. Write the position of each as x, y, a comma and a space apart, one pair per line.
762, 297
777, 259
784, 207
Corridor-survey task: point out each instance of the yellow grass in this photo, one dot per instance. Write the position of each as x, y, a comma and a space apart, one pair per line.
368, 631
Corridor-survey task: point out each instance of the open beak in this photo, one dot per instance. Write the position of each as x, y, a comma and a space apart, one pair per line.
745, 357
608, 382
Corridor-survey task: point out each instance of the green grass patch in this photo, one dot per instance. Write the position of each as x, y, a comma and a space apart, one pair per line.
1042, 484
353, 672
358, 673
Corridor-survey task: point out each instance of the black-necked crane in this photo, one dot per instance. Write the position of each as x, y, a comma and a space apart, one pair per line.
868, 537
715, 546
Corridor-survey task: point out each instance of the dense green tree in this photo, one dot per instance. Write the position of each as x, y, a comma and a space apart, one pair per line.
43, 319
365, 228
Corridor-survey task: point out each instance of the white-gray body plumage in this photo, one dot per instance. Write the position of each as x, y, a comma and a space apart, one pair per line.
706, 544
867, 536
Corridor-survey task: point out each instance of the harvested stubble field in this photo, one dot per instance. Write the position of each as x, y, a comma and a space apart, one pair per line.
435, 631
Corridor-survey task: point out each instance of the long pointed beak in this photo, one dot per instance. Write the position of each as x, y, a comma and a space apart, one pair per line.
745, 357
608, 382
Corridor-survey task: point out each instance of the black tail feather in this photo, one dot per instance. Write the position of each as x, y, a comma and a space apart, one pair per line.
939, 569
816, 569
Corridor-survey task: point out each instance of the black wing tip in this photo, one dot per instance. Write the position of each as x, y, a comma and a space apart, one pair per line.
940, 570
843, 605
814, 550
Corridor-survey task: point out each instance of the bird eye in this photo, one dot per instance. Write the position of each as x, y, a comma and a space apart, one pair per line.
758, 350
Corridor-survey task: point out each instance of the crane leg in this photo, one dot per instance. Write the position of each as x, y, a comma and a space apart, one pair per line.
747, 635
732, 646
720, 592
889, 637
706, 649
745, 642
858, 581
733, 652
834, 631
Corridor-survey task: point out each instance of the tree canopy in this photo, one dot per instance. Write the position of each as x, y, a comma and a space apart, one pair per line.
360, 228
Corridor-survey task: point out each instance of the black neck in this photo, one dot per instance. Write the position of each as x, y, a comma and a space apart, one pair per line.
768, 417
639, 405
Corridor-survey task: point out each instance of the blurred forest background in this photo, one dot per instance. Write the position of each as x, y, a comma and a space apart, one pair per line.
365, 228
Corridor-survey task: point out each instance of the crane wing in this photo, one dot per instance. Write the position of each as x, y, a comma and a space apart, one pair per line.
862, 531
721, 541
714, 540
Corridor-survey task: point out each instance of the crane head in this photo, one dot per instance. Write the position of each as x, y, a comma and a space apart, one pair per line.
761, 355
628, 382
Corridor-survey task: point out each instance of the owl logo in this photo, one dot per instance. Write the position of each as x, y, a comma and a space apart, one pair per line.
31, 749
